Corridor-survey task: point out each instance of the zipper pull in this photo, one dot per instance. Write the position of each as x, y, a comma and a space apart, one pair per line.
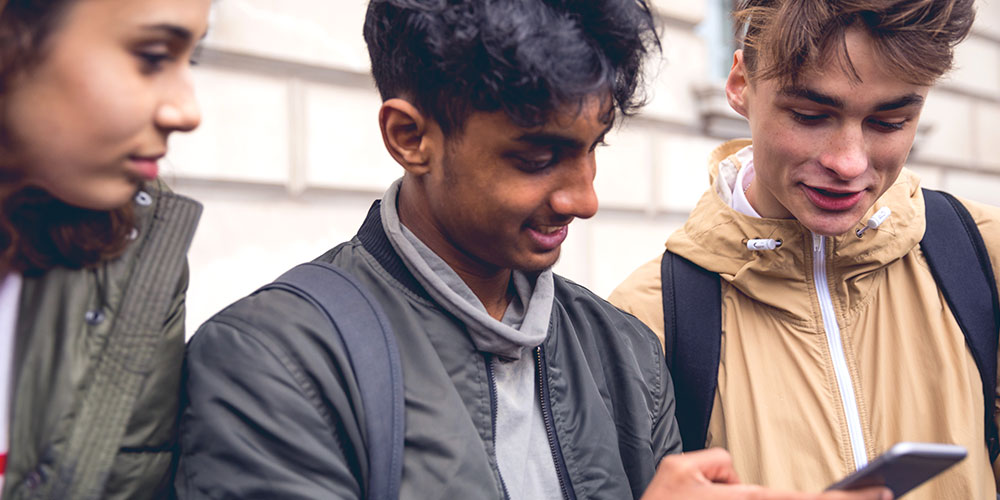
817, 242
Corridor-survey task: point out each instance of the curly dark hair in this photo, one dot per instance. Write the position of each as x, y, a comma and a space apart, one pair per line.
525, 57
38, 231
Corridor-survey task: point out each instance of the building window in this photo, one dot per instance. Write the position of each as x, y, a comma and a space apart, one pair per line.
717, 31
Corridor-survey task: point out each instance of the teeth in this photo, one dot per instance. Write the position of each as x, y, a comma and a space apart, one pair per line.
833, 194
548, 229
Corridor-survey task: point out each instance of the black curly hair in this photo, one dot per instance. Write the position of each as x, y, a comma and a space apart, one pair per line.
525, 57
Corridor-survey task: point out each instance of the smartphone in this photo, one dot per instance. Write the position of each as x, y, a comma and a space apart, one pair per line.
904, 467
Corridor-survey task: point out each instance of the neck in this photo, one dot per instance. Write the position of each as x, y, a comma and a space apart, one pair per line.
491, 285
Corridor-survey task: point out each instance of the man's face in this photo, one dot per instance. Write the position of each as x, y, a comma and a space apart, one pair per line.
826, 148
502, 197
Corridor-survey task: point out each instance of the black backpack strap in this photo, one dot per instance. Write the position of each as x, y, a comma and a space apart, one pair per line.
364, 331
692, 330
952, 245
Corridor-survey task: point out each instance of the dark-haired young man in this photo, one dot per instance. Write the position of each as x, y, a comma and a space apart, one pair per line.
837, 339
518, 383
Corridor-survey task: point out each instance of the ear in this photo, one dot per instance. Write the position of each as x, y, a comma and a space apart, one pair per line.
738, 85
409, 136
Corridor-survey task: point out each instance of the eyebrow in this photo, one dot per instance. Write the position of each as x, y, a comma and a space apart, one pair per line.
827, 100
812, 95
174, 31
557, 139
902, 102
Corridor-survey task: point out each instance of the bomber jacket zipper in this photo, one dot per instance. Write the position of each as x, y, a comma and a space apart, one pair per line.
557, 456
839, 360
493, 418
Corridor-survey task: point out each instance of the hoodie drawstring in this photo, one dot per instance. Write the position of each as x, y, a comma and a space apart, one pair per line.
875, 220
760, 244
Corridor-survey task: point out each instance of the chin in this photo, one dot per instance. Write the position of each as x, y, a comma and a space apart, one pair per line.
95, 195
828, 227
538, 262
105, 201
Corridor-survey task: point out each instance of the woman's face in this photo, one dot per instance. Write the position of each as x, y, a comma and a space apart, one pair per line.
89, 122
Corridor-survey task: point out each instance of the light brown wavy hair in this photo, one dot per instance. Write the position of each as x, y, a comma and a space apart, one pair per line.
915, 39
38, 231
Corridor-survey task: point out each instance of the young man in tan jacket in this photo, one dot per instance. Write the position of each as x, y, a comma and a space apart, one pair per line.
835, 344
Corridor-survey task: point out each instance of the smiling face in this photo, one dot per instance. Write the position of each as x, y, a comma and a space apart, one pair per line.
827, 147
90, 120
502, 197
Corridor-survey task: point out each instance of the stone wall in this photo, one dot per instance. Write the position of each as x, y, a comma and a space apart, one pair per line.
289, 156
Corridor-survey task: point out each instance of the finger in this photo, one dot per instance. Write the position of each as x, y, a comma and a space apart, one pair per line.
753, 492
874, 493
713, 465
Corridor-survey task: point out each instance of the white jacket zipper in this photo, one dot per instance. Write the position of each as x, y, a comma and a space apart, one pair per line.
836, 345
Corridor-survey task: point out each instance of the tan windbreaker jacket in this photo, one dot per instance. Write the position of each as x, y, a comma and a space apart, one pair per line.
778, 407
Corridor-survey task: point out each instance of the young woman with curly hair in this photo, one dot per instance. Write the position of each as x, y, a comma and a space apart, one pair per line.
92, 246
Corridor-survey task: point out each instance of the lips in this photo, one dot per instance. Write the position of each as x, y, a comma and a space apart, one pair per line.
548, 237
146, 167
832, 199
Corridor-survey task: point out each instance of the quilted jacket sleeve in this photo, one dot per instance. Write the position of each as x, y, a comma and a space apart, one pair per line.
264, 406
142, 468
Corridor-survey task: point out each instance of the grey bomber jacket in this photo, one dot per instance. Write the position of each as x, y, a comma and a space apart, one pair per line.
273, 409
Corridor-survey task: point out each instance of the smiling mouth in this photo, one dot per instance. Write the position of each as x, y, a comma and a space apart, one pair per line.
548, 237
833, 200
547, 229
834, 194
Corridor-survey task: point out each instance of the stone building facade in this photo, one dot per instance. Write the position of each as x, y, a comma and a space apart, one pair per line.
289, 156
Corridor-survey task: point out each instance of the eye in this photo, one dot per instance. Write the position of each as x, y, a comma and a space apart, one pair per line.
196, 55
808, 118
152, 60
886, 126
599, 144
534, 163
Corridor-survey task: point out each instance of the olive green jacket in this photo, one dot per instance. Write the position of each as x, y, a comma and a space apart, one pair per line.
66, 318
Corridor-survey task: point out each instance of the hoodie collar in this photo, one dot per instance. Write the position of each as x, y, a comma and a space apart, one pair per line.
715, 236
524, 325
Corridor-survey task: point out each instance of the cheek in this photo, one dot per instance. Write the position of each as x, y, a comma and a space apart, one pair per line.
890, 154
96, 102
887, 168
774, 156
117, 104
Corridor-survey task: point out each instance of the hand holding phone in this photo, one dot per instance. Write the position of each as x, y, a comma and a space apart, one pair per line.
709, 475
904, 467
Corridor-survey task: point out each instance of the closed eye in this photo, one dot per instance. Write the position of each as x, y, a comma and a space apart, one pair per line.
152, 60
808, 119
535, 163
885, 126
599, 144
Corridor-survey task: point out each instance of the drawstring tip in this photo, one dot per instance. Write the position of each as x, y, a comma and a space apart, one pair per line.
758, 244
875, 221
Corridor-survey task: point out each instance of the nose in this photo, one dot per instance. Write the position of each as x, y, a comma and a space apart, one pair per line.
178, 109
576, 197
846, 153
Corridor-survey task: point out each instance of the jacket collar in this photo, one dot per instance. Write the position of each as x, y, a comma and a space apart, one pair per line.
715, 235
376, 242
